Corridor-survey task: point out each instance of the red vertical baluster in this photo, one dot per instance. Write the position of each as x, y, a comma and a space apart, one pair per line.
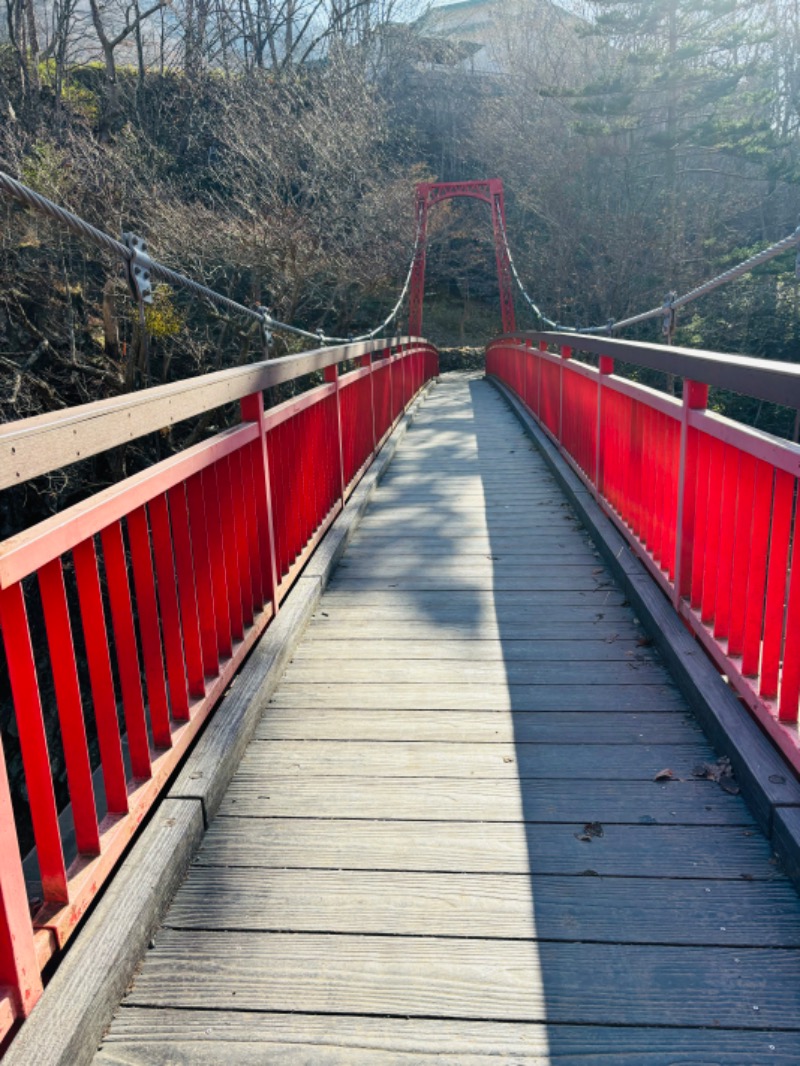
790, 677
332, 374
104, 700
252, 474
606, 368
645, 478
19, 969
229, 547
673, 432
216, 550
292, 491
742, 549
242, 543
564, 402
776, 583
757, 576
205, 590
70, 708
711, 559
184, 565
687, 524
632, 471
367, 360
149, 627
730, 486
700, 523
168, 605
295, 499
119, 595
33, 743
275, 452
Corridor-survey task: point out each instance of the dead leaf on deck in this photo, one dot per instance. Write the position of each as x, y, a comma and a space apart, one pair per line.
720, 771
664, 775
590, 831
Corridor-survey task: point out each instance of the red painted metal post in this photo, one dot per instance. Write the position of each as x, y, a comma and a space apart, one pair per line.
205, 592
695, 398
149, 626
504, 278
97, 655
33, 742
19, 969
332, 374
252, 408
606, 368
70, 709
187, 590
566, 353
417, 294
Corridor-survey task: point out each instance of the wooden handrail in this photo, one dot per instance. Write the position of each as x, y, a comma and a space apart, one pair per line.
27, 447
764, 379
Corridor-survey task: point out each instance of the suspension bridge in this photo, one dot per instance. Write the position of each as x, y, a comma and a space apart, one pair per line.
414, 718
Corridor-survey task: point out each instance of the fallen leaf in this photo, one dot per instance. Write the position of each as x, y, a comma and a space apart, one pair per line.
664, 775
507, 758
720, 771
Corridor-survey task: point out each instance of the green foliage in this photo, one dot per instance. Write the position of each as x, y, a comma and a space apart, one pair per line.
43, 168
162, 319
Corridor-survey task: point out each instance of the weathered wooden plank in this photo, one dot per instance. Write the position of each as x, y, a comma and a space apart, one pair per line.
528, 541
722, 852
539, 580
485, 727
142, 1036
601, 909
597, 603
473, 609
455, 556
634, 671
364, 567
630, 984
78, 1002
261, 795
611, 762
325, 627
449, 697
501, 651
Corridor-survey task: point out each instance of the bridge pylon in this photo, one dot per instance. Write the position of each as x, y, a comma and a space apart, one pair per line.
490, 192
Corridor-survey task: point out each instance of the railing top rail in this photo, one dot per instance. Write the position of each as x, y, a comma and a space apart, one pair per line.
28, 446
763, 379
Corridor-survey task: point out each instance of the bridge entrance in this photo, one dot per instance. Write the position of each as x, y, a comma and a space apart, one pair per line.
491, 193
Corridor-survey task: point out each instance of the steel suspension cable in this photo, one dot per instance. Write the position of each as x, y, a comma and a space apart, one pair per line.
672, 302
132, 257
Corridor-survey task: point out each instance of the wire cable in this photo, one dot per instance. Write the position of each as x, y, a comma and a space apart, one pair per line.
672, 303
130, 256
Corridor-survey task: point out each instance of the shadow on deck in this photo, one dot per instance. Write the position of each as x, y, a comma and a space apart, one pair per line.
448, 841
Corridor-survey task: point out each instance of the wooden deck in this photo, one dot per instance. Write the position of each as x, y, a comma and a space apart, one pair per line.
447, 843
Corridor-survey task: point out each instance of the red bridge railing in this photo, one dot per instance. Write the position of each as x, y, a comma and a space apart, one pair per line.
709, 505
153, 591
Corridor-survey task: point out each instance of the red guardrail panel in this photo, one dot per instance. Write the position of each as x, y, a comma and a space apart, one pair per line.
711, 506
146, 598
